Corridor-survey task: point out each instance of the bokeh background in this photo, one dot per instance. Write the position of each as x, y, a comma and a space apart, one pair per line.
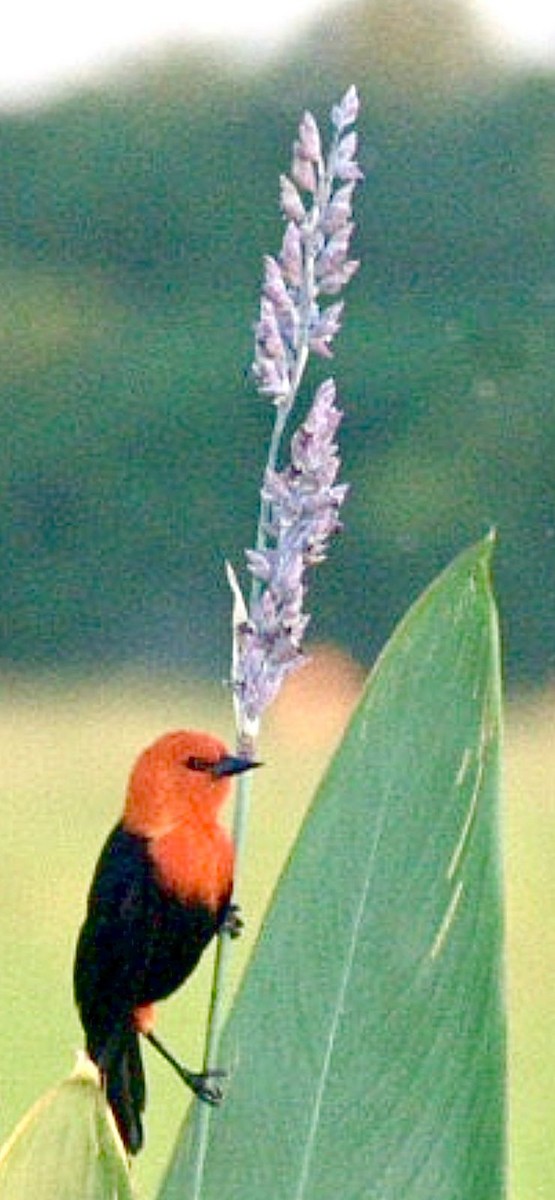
135, 206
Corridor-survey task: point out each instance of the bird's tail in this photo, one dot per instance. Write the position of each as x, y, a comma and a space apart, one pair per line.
125, 1088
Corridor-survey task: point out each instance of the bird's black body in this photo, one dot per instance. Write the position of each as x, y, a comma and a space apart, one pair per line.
137, 945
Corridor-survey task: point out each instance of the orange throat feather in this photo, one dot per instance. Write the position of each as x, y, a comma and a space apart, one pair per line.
195, 863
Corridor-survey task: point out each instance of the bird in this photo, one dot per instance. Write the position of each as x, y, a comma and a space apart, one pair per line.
161, 890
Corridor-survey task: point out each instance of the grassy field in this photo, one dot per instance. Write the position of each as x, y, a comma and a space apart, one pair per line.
66, 753
530, 873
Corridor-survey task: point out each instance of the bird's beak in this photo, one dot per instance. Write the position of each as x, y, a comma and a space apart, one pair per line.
231, 764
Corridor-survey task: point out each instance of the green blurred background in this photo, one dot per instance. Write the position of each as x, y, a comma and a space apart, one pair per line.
133, 219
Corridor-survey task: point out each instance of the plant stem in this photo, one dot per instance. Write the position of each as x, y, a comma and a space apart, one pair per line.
202, 1114
273, 452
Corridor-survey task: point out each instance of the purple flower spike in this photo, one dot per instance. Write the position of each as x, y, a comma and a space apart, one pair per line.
300, 503
313, 261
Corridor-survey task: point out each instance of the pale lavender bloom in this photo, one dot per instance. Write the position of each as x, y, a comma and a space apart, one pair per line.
291, 259
324, 328
300, 503
335, 280
344, 164
303, 501
309, 145
346, 112
338, 211
291, 204
313, 260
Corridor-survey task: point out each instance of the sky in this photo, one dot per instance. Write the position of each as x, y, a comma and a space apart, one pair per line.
48, 44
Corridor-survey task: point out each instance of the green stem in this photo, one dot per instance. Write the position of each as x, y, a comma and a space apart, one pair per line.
271, 464
203, 1113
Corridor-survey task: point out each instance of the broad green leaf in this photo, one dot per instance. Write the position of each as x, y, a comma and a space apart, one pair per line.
66, 1147
367, 1042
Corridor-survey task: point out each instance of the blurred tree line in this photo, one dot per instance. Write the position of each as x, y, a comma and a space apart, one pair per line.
133, 219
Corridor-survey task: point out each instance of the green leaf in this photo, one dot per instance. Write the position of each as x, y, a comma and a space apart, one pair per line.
66, 1147
367, 1043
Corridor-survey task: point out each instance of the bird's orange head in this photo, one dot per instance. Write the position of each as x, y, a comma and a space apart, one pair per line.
182, 776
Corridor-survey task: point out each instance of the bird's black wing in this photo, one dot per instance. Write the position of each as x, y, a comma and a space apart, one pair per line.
110, 960
138, 942
109, 965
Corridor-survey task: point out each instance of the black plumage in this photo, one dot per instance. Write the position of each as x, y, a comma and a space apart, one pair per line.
137, 945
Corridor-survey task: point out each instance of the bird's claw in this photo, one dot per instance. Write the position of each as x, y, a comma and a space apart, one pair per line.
232, 923
206, 1088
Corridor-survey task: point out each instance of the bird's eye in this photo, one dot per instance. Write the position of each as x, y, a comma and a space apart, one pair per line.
199, 764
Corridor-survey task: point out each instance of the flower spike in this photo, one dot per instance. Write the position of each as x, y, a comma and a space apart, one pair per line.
300, 502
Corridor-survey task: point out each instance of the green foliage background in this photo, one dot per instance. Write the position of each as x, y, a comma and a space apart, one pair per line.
133, 221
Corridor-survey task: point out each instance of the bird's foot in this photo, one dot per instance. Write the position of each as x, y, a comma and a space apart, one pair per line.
205, 1085
232, 923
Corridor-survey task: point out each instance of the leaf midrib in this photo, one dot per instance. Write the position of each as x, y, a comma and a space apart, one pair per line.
337, 1012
